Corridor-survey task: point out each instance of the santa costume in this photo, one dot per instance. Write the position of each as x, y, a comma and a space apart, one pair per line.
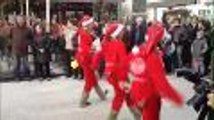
149, 83
84, 57
114, 53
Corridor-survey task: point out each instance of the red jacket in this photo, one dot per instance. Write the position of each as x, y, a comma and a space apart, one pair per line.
148, 69
114, 53
85, 40
150, 78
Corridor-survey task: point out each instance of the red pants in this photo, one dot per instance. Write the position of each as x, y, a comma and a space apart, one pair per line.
85, 61
90, 79
120, 95
97, 58
144, 93
151, 109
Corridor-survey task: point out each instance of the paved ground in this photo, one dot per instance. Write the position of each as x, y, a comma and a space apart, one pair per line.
58, 100
7, 66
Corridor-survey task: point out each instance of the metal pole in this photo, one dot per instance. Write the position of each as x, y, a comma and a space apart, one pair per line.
27, 8
211, 113
27, 12
21, 7
2, 10
48, 2
119, 11
212, 53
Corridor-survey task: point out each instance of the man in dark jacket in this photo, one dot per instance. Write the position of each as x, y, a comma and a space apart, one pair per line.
138, 31
187, 36
181, 36
175, 31
20, 35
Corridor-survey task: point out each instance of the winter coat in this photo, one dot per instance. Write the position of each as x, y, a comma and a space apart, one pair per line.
84, 50
20, 40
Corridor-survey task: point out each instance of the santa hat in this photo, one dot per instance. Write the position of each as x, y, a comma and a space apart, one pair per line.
155, 34
86, 20
114, 29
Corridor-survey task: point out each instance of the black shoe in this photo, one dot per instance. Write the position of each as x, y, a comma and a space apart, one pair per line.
69, 75
85, 105
75, 76
81, 77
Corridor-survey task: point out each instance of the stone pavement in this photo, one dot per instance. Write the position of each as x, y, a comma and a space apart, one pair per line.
7, 66
58, 100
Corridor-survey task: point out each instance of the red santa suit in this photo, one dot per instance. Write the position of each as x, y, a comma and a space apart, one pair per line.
150, 83
84, 54
114, 53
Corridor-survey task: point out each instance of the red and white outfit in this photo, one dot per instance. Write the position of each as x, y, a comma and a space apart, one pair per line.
150, 84
114, 53
84, 54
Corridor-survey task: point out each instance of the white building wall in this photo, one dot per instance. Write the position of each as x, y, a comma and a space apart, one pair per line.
151, 14
127, 7
204, 1
156, 8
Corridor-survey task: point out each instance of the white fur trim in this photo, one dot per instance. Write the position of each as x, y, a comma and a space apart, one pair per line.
104, 29
135, 50
117, 31
85, 23
146, 37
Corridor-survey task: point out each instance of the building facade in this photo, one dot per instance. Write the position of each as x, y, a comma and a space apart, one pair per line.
65, 7
149, 8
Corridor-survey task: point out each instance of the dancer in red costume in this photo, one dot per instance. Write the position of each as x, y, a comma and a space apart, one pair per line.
149, 83
114, 53
84, 57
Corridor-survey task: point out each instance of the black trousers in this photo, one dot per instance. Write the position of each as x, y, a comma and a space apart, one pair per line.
42, 69
42, 64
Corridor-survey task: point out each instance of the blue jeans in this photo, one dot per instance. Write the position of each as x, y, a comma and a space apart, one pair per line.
22, 67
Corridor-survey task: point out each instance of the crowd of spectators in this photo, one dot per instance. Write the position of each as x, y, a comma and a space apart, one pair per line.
186, 44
